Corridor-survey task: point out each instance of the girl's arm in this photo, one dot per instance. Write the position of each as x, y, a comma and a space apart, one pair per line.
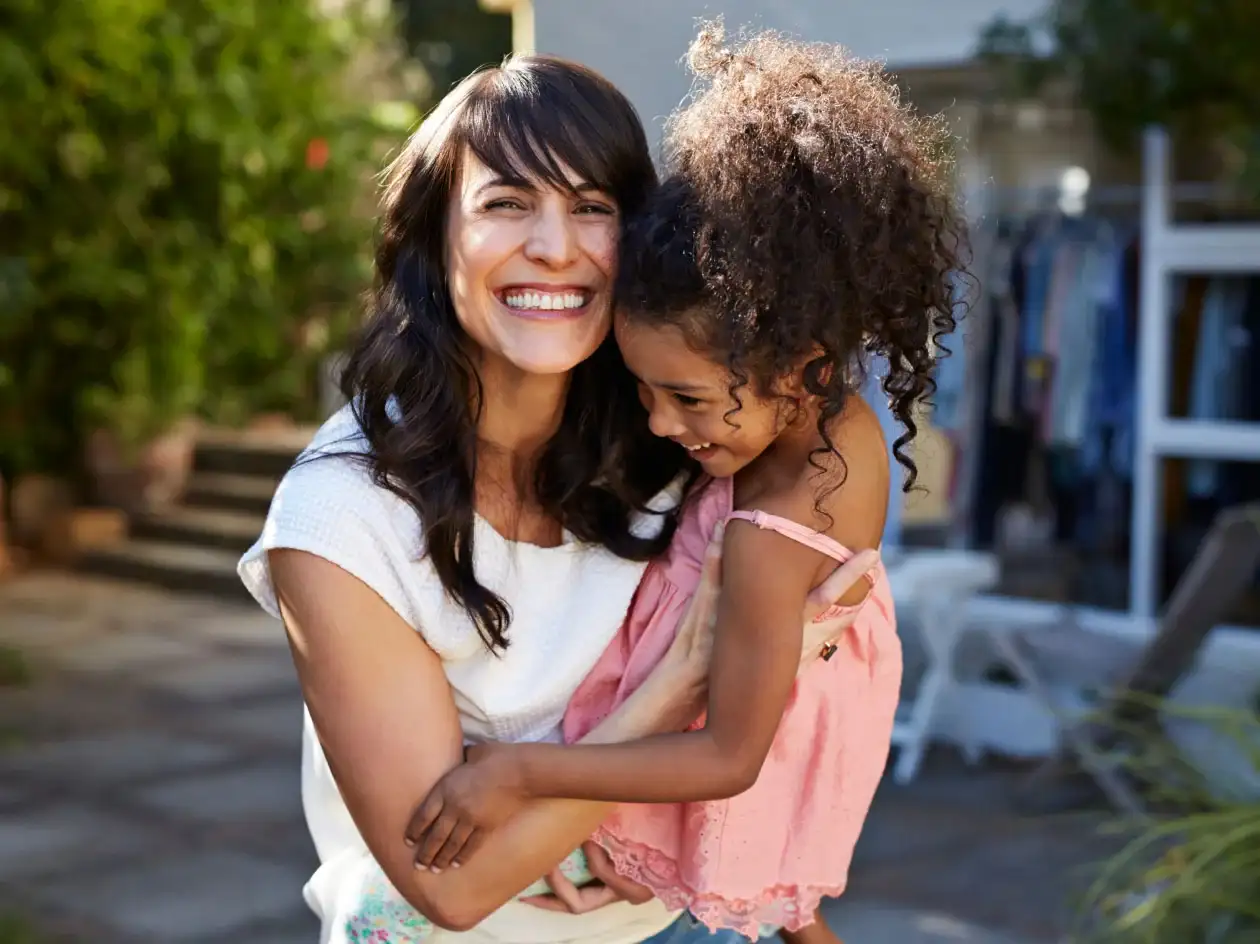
756, 651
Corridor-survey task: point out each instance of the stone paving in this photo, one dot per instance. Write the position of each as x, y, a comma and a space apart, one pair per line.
149, 793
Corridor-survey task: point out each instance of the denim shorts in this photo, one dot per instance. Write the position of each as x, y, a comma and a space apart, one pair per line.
687, 930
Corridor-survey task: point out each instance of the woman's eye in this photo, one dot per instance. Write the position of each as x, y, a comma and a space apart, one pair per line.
504, 204
599, 208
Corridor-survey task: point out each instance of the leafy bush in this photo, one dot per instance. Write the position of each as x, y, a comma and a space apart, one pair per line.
1191, 875
183, 224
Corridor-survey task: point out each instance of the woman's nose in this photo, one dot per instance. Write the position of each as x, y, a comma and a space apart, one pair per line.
552, 241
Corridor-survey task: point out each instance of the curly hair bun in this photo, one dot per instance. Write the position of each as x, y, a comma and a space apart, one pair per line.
708, 54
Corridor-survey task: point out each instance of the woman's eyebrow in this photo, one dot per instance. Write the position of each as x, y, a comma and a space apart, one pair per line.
524, 183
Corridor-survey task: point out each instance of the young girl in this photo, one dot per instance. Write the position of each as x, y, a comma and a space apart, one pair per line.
807, 224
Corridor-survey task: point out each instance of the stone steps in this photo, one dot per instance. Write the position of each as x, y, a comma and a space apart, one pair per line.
216, 528
230, 491
194, 546
187, 567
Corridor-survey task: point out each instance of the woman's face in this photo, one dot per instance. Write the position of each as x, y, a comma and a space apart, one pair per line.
531, 268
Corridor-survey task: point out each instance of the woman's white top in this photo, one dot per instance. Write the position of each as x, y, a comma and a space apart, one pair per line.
567, 602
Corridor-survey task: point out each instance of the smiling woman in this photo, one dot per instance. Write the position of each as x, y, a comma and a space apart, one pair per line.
457, 494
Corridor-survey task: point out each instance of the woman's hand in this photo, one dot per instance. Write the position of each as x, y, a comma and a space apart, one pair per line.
683, 672
823, 633
607, 888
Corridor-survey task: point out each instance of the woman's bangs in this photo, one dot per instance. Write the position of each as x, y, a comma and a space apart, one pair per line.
525, 131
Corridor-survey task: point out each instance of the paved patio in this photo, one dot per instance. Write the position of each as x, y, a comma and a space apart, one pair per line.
149, 793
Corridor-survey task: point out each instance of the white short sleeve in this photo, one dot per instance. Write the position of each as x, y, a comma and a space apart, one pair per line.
329, 507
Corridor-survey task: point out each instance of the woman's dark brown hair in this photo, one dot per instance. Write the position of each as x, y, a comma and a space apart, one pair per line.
411, 382
807, 217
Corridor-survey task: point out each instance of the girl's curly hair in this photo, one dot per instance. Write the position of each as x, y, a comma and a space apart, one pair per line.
807, 217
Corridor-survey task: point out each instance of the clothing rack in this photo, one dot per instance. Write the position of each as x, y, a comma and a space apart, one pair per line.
1006, 208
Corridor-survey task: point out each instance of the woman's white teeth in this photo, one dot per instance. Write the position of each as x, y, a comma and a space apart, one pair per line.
698, 448
546, 301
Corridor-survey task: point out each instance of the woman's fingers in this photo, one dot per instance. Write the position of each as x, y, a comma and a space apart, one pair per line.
601, 866
564, 889
704, 603
568, 897
841, 580
547, 903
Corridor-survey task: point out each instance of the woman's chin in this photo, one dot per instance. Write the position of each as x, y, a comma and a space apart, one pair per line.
555, 352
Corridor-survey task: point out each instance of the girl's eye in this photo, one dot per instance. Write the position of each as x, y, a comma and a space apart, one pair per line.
686, 400
506, 203
599, 208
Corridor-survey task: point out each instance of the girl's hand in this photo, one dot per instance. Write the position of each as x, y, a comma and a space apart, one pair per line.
469, 801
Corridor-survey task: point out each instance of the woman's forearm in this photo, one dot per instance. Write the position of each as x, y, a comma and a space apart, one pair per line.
537, 838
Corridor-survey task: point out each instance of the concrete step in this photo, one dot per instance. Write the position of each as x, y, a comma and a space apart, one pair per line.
181, 567
263, 452
203, 527
231, 492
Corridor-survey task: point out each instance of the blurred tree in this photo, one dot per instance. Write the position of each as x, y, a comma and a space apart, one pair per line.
1187, 64
182, 218
451, 38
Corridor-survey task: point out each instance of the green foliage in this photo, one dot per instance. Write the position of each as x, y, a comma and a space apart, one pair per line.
16, 930
1193, 876
1181, 63
182, 218
15, 672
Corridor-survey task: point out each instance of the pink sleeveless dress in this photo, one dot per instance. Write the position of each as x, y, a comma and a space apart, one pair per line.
762, 860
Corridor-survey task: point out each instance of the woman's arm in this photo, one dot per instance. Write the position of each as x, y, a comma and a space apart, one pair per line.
387, 721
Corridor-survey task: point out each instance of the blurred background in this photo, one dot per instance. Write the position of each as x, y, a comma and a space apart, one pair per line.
187, 192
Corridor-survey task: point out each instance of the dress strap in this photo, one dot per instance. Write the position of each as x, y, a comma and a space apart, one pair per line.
797, 532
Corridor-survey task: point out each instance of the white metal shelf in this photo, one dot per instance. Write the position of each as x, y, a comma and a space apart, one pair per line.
1169, 248
1208, 248
1225, 440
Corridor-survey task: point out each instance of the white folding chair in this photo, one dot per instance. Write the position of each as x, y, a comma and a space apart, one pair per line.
932, 589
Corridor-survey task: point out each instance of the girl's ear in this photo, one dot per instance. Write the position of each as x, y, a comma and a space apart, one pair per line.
793, 385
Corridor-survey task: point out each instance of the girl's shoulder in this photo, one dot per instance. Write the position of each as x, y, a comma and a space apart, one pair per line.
844, 496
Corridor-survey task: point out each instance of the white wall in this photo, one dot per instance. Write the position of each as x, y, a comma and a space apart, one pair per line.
639, 45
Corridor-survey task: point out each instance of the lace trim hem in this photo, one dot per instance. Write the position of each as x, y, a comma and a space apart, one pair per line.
789, 907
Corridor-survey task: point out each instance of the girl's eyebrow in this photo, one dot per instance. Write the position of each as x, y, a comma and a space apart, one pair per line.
679, 387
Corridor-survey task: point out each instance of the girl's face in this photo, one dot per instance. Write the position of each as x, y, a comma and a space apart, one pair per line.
530, 268
689, 400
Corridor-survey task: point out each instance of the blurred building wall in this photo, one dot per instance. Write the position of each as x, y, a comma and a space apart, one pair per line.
639, 45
